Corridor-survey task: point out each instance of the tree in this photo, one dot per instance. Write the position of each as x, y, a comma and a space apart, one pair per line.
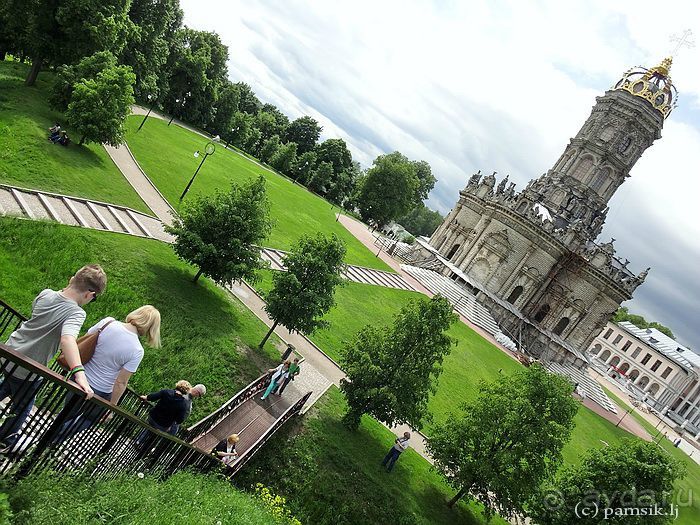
99, 106
336, 152
69, 76
421, 220
226, 108
280, 118
57, 32
629, 475
305, 131
220, 234
391, 371
426, 179
321, 177
507, 441
343, 184
285, 157
302, 295
623, 314
269, 148
249, 103
154, 23
304, 167
388, 190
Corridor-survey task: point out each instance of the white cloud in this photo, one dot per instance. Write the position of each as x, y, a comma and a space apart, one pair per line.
496, 86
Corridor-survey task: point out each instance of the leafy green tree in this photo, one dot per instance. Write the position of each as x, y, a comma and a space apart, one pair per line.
99, 106
629, 475
269, 148
305, 131
388, 190
343, 184
281, 119
226, 108
56, 32
241, 130
284, 158
623, 314
507, 441
69, 76
426, 179
197, 66
336, 152
249, 103
304, 167
220, 234
321, 178
302, 295
421, 220
148, 44
391, 371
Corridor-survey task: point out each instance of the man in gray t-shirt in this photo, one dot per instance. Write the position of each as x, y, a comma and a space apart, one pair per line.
56, 321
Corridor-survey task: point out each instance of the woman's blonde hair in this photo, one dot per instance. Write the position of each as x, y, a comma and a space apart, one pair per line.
147, 321
183, 386
233, 438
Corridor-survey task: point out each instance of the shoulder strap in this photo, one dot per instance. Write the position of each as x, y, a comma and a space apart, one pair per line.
104, 326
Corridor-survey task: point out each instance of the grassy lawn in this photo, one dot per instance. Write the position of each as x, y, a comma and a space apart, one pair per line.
182, 498
686, 487
29, 160
208, 336
331, 476
165, 153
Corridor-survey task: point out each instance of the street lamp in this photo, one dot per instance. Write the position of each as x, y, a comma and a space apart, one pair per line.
181, 103
209, 149
149, 112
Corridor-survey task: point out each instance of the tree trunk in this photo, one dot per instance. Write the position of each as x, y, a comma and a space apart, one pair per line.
34, 71
457, 497
268, 334
199, 274
82, 141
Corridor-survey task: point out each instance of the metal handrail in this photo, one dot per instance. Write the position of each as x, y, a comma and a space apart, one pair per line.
205, 424
107, 447
250, 451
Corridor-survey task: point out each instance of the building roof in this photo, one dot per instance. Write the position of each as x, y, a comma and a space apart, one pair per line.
668, 346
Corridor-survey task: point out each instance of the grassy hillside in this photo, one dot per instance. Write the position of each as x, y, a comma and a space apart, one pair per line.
165, 153
29, 160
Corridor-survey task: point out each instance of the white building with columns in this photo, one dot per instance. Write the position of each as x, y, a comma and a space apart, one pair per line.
654, 367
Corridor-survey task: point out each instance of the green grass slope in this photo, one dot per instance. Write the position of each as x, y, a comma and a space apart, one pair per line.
165, 153
29, 160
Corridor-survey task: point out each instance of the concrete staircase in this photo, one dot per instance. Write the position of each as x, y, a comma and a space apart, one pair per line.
357, 274
463, 302
590, 386
75, 211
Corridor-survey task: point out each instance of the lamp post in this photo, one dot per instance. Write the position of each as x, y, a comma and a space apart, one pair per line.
209, 149
147, 114
181, 104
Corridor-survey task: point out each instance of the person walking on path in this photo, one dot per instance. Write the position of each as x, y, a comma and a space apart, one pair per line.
225, 449
195, 392
56, 320
400, 444
118, 354
288, 376
170, 409
277, 374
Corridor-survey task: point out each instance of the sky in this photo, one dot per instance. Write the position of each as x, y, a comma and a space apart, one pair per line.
490, 86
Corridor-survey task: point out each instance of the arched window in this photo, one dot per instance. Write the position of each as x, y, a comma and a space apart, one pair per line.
542, 313
452, 251
582, 169
600, 179
561, 325
624, 368
615, 361
517, 291
644, 381
654, 389
634, 374
605, 355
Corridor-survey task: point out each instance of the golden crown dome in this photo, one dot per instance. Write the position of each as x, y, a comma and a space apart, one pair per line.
654, 85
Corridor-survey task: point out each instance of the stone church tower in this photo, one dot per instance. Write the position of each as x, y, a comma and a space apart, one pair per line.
531, 257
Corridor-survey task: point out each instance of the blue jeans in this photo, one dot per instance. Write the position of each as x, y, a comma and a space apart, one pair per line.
82, 416
22, 394
390, 458
145, 434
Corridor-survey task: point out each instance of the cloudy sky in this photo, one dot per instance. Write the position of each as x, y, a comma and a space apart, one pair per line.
490, 86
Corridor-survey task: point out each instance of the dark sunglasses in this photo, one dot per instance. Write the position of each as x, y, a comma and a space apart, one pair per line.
94, 295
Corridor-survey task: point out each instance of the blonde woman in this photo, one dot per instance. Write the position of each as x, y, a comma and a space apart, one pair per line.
118, 354
225, 450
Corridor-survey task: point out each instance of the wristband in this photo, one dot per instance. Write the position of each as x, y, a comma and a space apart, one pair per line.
74, 371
